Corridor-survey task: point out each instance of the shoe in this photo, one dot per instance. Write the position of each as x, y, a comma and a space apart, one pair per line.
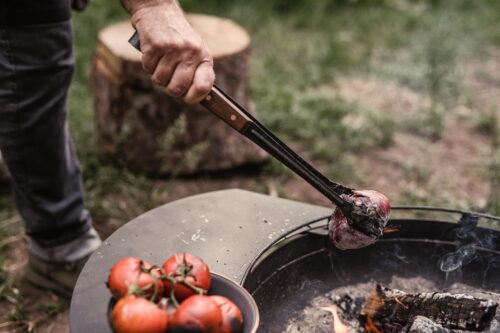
57, 277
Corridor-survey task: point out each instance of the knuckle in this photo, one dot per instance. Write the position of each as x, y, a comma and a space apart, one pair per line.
162, 75
158, 80
154, 45
171, 46
177, 90
147, 64
193, 46
190, 100
203, 87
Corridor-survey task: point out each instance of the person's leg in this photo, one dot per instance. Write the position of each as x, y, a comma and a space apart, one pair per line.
36, 67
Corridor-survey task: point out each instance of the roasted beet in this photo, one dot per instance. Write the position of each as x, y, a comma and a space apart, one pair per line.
354, 234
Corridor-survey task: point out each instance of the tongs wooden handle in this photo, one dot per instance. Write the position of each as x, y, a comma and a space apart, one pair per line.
224, 107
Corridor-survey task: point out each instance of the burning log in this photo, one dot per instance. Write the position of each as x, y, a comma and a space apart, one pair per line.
389, 310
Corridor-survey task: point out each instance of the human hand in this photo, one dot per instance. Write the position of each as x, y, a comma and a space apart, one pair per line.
173, 53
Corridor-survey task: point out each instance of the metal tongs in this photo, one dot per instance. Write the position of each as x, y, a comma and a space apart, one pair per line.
228, 110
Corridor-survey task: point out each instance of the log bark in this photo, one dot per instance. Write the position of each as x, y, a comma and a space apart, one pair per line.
150, 132
390, 308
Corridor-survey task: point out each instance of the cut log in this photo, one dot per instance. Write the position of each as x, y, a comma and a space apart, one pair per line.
389, 309
150, 132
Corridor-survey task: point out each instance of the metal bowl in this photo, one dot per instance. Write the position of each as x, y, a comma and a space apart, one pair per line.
223, 286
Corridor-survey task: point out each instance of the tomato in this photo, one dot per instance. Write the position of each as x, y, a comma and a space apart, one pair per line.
133, 314
126, 275
198, 314
189, 267
232, 320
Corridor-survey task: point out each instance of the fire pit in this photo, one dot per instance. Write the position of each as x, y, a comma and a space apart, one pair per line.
297, 276
278, 250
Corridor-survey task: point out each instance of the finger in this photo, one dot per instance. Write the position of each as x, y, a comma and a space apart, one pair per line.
181, 79
202, 83
164, 71
150, 60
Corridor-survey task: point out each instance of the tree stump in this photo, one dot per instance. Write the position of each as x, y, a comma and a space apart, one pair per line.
150, 132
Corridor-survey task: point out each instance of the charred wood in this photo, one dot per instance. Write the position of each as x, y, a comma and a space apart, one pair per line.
391, 310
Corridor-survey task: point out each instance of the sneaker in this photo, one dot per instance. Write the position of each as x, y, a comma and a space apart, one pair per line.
58, 277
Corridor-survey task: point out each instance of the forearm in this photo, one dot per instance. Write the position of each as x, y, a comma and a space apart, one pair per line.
173, 53
132, 6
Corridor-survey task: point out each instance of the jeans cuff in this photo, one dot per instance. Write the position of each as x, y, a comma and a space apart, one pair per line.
68, 252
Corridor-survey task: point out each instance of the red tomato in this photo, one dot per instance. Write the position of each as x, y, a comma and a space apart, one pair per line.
127, 274
133, 314
198, 314
232, 320
192, 268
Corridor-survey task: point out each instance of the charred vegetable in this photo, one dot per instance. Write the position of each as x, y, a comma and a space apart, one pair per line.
349, 233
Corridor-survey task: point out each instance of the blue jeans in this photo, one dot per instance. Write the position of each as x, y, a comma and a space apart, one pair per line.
36, 68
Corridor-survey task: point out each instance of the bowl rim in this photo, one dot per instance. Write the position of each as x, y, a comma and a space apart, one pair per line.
249, 296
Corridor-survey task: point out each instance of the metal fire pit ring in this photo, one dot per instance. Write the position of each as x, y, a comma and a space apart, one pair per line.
301, 271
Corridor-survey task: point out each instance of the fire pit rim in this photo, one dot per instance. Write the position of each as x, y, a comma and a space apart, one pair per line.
470, 217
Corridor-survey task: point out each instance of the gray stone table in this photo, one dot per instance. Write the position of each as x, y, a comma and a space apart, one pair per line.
228, 229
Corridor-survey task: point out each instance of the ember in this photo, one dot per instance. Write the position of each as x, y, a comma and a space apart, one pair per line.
362, 307
391, 310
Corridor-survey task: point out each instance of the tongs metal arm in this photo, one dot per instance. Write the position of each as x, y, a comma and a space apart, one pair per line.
241, 120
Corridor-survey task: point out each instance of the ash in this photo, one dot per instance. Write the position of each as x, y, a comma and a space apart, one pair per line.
349, 299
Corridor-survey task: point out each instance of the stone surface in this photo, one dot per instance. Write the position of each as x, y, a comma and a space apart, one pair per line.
228, 229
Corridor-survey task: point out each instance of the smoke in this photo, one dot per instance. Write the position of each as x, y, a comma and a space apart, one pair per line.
455, 260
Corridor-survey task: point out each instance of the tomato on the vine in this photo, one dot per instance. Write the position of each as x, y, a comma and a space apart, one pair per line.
198, 314
232, 319
189, 268
133, 314
133, 275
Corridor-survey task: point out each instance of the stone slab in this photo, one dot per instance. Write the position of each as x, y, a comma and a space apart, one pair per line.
228, 229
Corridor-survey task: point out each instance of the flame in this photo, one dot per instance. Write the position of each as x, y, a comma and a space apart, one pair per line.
390, 230
370, 326
401, 303
338, 325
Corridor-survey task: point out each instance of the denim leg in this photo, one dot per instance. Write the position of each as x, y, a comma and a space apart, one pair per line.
36, 68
